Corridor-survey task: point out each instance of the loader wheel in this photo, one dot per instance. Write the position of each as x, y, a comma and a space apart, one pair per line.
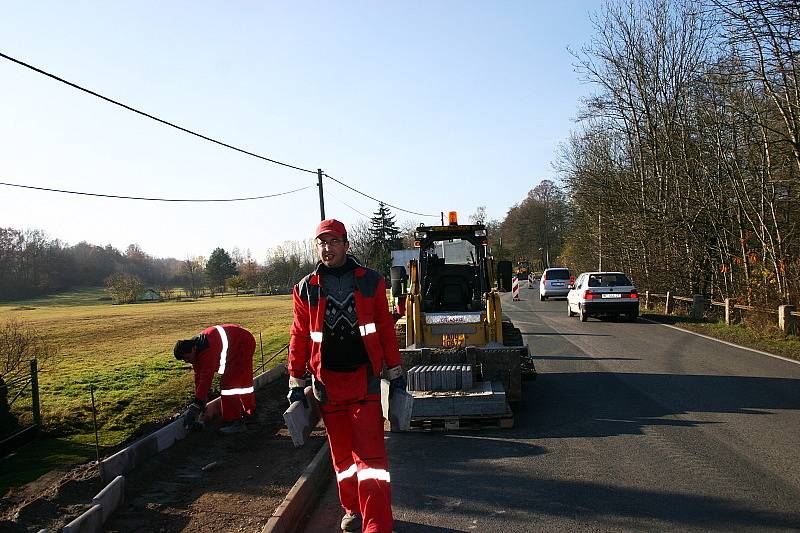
512, 336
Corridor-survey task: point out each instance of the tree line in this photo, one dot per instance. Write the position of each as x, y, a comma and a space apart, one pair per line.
685, 170
33, 264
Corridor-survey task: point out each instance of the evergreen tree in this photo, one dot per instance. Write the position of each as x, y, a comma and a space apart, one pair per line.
384, 237
219, 267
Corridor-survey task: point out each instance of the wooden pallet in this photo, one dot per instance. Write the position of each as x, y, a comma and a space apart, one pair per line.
463, 422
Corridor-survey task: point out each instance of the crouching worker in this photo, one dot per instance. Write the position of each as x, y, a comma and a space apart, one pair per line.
344, 335
227, 350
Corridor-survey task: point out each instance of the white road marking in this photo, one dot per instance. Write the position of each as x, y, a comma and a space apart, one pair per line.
721, 341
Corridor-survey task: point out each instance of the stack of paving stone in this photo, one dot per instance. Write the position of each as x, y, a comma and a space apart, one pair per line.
440, 378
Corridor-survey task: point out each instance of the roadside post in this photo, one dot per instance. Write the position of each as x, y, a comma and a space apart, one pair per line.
668, 305
729, 311
698, 305
35, 407
515, 288
785, 319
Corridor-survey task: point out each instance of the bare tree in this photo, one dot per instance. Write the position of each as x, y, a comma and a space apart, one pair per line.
193, 268
19, 344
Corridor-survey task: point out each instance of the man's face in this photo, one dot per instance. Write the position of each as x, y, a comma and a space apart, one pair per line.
332, 250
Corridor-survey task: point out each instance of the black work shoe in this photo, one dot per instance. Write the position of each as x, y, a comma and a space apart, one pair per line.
351, 522
237, 426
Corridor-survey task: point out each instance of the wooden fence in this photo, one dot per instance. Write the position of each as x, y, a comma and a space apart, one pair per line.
787, 316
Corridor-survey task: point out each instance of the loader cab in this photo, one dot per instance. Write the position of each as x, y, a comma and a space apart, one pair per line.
453, 274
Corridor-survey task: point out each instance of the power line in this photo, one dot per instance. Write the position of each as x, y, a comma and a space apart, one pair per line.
379, 201
190, 132
348, 205
162, 121
157, 199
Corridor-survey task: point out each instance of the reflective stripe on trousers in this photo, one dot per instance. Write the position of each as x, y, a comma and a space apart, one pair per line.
349, 472
366, 473
231, 392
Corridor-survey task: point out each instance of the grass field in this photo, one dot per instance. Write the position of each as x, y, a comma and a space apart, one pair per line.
125, 353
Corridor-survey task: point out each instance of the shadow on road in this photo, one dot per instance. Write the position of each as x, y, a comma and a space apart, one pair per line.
601, 404
410, 527
590, 404
601, 505
554, 333
581, 358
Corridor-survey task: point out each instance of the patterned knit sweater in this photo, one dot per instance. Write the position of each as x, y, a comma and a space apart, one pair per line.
342, 347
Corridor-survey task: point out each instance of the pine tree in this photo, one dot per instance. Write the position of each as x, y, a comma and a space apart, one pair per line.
384, 237
219, 267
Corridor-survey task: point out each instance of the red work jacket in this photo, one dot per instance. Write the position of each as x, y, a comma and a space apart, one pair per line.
229, 356
374, 321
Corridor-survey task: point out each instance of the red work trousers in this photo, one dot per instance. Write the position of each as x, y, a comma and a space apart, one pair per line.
355, 433
235, 406
236, 384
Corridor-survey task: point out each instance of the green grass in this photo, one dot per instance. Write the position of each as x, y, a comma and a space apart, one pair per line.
758, 336
124, 353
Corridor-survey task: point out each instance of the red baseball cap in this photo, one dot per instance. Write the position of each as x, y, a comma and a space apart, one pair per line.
333, 227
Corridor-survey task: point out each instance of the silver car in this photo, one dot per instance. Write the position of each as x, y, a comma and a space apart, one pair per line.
554, 282
603, 293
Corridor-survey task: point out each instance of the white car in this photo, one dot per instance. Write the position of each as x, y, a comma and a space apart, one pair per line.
554, 282
603, 293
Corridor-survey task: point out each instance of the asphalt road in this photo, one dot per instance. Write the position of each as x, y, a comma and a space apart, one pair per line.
629, 427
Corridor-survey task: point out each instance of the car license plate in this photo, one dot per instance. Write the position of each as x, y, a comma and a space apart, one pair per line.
558, 284
453, 341
612, 295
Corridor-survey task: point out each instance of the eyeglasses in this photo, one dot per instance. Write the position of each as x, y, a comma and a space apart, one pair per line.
331, 243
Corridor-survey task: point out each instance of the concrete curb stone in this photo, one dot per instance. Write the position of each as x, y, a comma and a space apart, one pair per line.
89, 522
111, 497
305, 493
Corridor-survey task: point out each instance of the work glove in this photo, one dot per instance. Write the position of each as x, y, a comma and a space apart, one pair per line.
191, 417
397, 380
297, 394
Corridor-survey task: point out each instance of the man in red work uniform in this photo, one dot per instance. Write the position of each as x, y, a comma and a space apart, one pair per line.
227, 350
343, 334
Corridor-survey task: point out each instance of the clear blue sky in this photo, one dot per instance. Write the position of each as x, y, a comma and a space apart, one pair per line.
428, 105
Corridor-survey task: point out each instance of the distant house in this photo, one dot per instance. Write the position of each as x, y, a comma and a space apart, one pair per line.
150, 295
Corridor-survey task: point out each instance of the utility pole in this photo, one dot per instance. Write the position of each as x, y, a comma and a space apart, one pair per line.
599, 245
321, 196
